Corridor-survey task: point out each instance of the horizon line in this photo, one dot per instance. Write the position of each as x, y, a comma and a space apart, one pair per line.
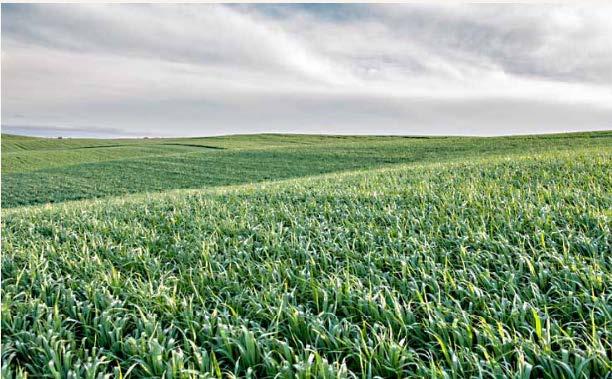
3, 134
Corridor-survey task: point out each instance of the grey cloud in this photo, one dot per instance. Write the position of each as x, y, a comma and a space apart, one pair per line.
565, 42
385, 69
205, 34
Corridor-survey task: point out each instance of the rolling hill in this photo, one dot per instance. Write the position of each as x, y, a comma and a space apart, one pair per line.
306, 256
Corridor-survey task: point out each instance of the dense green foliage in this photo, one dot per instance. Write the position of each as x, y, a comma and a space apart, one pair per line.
38, 171
450, 266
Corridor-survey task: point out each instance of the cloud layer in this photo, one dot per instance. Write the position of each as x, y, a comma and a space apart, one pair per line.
384, 69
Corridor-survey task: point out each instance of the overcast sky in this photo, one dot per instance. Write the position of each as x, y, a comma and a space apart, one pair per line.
186, 70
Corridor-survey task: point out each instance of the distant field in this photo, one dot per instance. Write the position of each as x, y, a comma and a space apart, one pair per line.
308, 257
39, 170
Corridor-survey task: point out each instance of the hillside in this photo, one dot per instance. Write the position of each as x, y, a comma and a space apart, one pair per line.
41, 170
451, 257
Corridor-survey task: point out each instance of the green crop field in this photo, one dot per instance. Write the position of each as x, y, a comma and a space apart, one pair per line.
288, 256
41, 171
